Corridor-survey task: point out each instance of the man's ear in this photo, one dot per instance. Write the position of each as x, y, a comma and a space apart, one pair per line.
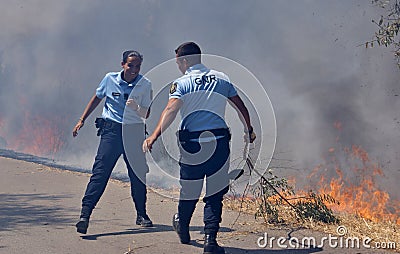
185, 61
122, 64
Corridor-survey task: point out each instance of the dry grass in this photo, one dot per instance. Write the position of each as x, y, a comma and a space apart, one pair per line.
384, 231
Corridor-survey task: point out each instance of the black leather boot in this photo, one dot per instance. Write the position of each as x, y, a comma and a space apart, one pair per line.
83, 223
144, 221
181, 230
211, 246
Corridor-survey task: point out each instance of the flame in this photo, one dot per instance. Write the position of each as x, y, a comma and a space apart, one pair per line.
291, 180
338, 125
355, 188
37, 135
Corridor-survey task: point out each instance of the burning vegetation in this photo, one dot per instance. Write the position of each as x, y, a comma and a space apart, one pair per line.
355, 188
36, 135
343, 190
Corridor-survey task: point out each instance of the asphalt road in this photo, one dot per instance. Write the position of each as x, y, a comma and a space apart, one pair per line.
39, 207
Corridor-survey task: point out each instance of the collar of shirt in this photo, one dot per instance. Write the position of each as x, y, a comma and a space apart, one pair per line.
133, 83
196, 68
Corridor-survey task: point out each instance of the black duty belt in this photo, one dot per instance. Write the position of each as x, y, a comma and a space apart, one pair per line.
185, 135
111, 124
101, 123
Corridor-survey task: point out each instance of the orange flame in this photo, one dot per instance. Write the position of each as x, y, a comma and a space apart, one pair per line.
37, 135
358, 193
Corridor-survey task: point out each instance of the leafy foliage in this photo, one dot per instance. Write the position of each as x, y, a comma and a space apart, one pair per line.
274, 194
388, 27
270, 201
314, 207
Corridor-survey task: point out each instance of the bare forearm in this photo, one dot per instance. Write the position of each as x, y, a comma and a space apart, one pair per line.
244, 116
241, 110
167, 117
93, 103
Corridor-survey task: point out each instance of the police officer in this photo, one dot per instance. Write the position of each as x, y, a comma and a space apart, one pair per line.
125, 88
201, 95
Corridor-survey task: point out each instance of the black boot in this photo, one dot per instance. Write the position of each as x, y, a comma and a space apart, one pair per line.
181, 230
144, 221
83, 223
211, 246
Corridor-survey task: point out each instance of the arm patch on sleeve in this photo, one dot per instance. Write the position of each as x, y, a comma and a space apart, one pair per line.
172, 89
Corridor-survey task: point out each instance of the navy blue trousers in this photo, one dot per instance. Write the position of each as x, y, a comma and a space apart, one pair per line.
209, 160
110, 149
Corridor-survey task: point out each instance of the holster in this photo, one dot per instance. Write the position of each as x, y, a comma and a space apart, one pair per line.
99, 123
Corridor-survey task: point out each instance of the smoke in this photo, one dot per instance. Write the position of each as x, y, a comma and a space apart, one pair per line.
53, 54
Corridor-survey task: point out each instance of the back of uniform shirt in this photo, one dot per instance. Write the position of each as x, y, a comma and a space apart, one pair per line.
204, 93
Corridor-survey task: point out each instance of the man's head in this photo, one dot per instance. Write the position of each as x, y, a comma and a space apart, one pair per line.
131, 63
187, 54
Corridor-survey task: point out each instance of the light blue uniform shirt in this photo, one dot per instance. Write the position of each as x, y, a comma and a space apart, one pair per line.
204, 93
116, 91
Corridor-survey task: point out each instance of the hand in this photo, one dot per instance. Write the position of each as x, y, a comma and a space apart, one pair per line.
148, 144
132, 104
77, 127
250, 136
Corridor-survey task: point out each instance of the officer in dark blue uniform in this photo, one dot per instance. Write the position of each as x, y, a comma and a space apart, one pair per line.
128, 98
200, 96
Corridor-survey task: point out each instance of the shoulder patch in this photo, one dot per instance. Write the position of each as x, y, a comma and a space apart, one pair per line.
172, 89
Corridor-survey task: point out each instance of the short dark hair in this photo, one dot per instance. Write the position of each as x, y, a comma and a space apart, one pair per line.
130, 53
188, 48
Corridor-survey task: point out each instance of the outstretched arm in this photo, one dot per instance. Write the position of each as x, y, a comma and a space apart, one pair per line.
94, 101
167, 117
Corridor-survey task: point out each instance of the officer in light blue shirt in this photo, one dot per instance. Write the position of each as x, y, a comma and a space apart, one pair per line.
128, 97
201, 96
117, 91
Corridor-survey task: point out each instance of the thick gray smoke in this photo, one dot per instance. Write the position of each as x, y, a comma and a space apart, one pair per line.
53, 54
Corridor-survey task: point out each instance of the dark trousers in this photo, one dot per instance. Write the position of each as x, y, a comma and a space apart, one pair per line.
110, 149
199, 160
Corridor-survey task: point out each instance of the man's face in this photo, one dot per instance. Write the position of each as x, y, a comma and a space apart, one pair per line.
131, 68
180, 61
